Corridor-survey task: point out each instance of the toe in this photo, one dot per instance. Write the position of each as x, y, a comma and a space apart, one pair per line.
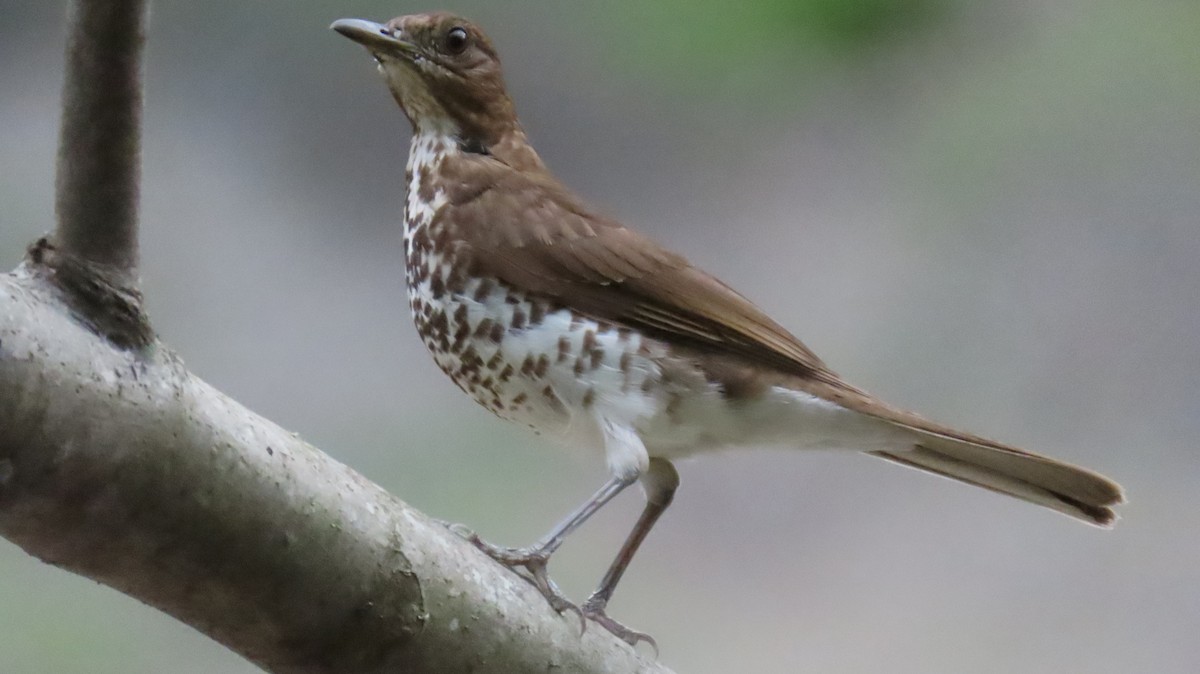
626, 634
530, 564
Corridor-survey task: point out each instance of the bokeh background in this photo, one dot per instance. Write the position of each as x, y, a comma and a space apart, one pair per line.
989, 212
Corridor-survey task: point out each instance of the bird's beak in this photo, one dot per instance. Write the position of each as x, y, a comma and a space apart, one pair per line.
377, 38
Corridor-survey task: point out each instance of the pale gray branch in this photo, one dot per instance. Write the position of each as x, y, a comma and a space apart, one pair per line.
122, 466
99, 145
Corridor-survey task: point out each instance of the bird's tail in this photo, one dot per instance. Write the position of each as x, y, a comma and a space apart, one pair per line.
1059, 486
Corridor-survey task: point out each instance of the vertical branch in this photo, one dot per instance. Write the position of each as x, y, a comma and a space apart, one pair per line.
100, 140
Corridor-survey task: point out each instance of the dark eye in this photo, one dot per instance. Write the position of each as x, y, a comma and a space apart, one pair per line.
456, 40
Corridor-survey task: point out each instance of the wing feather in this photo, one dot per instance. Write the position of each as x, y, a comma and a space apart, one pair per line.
533, 234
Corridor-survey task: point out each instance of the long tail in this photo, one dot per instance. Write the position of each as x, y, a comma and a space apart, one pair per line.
1059, 486
944, 451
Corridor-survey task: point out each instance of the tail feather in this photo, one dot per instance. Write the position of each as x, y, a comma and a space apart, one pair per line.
938, 449
977, 461
1058, 486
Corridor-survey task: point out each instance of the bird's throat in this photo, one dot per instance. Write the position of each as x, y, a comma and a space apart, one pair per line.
428, 151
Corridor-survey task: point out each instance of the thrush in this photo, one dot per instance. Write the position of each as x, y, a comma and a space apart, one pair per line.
552, 315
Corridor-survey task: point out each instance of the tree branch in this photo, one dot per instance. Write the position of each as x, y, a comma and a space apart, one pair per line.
99, 143
123, 467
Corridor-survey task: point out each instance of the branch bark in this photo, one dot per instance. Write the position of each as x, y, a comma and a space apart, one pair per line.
118, 464
100, 138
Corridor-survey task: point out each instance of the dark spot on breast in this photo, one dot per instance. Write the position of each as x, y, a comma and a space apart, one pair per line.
537, 312
438, 323
420, 240
597, 357
589, 341
460, 336
553, 401
437, 287
518, 319
589, 398
483, 290
484, 327
471, 360
564, 348
494, 361
497, 333
506, 373
457, 281
528, 365
543, 365
519, 399
580, 366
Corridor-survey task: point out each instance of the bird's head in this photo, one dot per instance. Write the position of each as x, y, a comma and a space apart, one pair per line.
444, 73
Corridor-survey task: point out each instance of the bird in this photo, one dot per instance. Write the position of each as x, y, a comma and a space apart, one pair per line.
550, 314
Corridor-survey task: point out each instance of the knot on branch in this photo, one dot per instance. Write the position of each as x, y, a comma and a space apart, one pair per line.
98, 296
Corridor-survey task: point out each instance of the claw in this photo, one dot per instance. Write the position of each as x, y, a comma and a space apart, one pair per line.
460, 530
529, 564
595, 611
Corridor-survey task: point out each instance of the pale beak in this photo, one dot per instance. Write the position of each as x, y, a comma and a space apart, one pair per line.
377, 38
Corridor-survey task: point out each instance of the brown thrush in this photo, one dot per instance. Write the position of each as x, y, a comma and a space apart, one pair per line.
554, 316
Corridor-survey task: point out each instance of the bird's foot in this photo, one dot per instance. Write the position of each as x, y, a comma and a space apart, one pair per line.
528, 563
594, 610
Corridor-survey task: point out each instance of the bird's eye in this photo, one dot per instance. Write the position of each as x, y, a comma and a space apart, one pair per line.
456, 40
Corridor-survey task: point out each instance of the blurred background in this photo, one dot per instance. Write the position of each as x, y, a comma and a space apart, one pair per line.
988, 212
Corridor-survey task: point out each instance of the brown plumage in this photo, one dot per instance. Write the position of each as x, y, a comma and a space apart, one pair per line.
539, 237
585, 319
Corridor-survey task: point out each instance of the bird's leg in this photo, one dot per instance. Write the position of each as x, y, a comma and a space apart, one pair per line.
660, 482
534, 558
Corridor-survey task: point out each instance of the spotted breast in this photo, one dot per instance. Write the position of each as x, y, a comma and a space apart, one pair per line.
523, 357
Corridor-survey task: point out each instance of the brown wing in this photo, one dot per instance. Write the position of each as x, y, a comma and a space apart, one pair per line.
529, 231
